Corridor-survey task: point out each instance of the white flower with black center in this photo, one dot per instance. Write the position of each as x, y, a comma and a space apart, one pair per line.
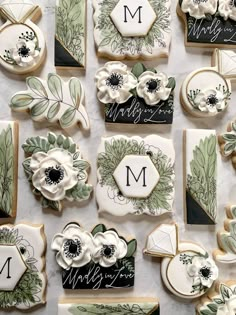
152, 87
25, 249
74, 247
24, 54
199, 8
229, 308
114, 83
203, 271
108, 248
227, 9
211, 101
53, 173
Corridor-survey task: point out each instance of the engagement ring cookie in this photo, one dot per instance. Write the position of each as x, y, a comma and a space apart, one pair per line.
227, 143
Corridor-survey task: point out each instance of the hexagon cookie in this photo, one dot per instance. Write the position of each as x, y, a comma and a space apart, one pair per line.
135, 175
22, 262
132, 29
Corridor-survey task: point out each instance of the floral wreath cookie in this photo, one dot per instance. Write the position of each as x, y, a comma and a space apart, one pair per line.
202, 16
135, 175
132, 29
206, 92
22, 278
83, 256
139, 96
56, 170
186, 269
227, 143
221, 301
227, 239
23, 46
53, 100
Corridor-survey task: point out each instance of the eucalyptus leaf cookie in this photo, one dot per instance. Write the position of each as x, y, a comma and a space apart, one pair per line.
53, 100
208, 23
101, 259
227, 143
186, 268
22, 262
23, 46
132, 29
135, 175
56, 170
139, 96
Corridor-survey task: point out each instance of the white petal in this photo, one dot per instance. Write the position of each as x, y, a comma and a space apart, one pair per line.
61, 262
61, 155
36, 160
36, 180
59, 195
107, 262
57, 242
122, 248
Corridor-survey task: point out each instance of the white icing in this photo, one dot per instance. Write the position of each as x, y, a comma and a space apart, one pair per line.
153, 96
24, 54
108, 241
226, 61
124, 82
74, 247
211, 100
227, 9
229, 308
17, 9
199, 8
44, 165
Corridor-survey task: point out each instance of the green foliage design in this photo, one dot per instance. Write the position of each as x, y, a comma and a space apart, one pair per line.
30, 284
114, 153
49, 100
228, 238
111, 37
230, 141
6, 170
201, 182
226, 293
81, 191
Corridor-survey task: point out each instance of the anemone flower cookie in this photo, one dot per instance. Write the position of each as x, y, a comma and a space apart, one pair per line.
199, 8
83, 255
56, 170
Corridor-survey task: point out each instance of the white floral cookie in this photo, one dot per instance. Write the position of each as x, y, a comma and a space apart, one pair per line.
23, 46
56, 170
82, 255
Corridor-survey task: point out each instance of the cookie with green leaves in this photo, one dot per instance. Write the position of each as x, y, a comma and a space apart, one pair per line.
227, 143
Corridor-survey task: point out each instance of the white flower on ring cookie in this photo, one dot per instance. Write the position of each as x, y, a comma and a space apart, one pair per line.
199, 8
227, 9
203, 271
53, 173
114, 83
109, 247
74, 247
211, 101
229, 308
25, 53
152, 87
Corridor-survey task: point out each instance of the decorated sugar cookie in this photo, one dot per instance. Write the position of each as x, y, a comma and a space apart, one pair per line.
206, 92
8, 168
53, 100
108, 305
70, 37
139, 96
227, 239
22, 263
23, 47
135, 175
186, 268
208, 23
128, 29
101, 259
227, 143
56, 170
200, 176
221, 301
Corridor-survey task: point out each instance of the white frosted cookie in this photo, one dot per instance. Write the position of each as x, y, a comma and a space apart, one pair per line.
135, 175
132, 29
22, 279
186, 268
227, 142
23, 46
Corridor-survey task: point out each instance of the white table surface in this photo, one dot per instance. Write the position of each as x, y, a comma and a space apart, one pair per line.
148, 282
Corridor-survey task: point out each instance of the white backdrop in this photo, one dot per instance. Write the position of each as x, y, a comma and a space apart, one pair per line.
148, 281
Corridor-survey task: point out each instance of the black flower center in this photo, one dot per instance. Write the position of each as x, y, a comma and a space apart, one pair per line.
108, 251
115, 81
153, 85
23, 51
72, 248
205, 272
54, 175
22, 250
149, 153
212, 100
199, 1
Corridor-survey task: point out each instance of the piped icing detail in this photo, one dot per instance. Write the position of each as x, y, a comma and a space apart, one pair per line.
199, 8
